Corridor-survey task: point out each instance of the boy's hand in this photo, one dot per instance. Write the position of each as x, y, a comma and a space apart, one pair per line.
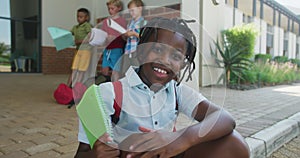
130, 34
104, 147
153, 143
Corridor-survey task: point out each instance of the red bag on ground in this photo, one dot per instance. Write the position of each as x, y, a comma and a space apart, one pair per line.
63, 94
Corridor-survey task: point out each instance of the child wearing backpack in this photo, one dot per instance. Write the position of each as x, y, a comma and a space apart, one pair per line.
151, 102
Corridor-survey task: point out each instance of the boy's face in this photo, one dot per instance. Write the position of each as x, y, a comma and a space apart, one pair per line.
82, 17
135, 11
113, 10
163, 59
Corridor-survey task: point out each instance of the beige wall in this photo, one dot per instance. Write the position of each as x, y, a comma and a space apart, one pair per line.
214, 20
275, 42
256, 22
238, 17
101, 8
263, 37
292, 46
60, 14
278, 41
193, 12
298, 41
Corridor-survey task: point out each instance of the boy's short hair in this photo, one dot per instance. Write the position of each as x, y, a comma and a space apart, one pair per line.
174, 25
138, 3
116, 3
84, 10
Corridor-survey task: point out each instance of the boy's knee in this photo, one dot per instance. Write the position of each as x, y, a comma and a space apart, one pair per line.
240, 147
230, 146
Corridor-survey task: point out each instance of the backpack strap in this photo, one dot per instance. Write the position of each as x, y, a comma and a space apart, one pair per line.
117, 101
176, 107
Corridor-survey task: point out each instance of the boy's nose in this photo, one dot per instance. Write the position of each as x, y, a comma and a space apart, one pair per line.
165, 58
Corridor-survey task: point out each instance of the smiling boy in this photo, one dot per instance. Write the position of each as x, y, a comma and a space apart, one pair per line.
152, 100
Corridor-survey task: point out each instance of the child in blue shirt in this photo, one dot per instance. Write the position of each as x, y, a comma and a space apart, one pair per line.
137, 21
152, 99
135, 8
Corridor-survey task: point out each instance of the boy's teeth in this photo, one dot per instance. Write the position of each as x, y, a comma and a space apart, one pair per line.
160, 70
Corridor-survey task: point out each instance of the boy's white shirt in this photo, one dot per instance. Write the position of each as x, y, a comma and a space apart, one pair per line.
143, 107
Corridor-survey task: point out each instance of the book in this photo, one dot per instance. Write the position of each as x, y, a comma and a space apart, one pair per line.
97, 37
114, 25
62, 38
93, 116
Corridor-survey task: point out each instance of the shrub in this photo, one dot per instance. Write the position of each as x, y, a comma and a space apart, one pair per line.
281, 59
295, 61
275, 73
231, 59
250, 76
262, 57
242, 36
271, 73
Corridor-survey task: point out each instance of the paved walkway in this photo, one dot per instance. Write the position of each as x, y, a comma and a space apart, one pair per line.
33, 125
290, 150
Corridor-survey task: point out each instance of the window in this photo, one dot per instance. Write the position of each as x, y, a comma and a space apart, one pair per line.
285, 44
20, 22
270, 39
297, 51
247, 18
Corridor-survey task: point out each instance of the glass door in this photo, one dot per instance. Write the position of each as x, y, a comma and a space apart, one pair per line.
20, 36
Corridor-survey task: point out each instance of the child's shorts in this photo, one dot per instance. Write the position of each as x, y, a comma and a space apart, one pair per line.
111, 57
81, 60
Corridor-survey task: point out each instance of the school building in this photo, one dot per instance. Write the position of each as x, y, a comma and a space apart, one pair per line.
29, 39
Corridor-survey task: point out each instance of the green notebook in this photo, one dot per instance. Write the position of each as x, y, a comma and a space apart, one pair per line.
93, 116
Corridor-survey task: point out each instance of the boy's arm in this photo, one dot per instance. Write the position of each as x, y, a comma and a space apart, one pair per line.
130, 34
83, 151
214, 123
99, 150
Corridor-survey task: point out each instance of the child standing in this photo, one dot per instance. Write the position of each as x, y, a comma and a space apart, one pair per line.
82, 57
137, 21
115, 43
152, 99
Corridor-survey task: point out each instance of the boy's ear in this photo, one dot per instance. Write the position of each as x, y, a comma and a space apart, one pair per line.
184, 63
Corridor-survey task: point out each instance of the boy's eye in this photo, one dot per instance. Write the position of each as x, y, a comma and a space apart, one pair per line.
156, 49
177, 56
174, 55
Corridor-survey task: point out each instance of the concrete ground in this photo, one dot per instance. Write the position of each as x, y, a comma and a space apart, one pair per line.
33, 125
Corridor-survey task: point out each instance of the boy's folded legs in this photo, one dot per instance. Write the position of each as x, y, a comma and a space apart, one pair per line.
230, 146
